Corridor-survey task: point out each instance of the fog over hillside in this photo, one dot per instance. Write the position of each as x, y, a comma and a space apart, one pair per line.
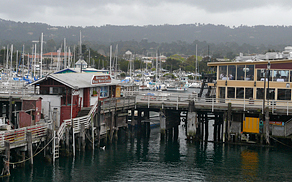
181, 38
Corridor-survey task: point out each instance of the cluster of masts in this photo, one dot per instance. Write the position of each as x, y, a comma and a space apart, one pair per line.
34, 62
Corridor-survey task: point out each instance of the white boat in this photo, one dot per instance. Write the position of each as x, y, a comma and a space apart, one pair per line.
177, 86
195, 85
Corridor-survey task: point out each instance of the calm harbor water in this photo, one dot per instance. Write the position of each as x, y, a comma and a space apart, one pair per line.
153, 160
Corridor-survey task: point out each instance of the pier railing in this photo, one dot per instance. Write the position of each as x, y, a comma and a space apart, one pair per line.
17, 137
180, 99
106, 104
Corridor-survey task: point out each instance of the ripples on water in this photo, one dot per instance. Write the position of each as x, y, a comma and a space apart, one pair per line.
153, 160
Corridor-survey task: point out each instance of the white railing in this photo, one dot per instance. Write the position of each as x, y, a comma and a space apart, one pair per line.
245, 104
76, 122
17, 137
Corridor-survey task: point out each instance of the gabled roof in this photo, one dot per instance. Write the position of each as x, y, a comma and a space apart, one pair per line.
66, 70
76, 80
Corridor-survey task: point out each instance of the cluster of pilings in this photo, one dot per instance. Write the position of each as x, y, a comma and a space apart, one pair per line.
18, 157
169, 122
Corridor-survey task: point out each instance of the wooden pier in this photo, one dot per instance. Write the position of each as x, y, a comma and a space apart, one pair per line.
109, 119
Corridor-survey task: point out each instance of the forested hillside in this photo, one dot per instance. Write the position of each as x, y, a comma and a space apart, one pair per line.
219, 40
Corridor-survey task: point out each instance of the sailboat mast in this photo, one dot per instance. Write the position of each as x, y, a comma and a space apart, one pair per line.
65, 54
116, 62
196, 62
111, 60
41, 61
156, 70
80, 47
34, 62
22, 60
16, 62
89, 58
27, 64
7, 57
11, 57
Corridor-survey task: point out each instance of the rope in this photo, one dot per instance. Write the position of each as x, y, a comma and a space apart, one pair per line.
280, 142
88, 138
13, 163
38, 145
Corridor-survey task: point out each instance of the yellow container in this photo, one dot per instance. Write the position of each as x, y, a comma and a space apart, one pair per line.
251, 125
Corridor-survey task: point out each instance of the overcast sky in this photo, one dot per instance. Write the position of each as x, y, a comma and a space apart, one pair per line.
148, 12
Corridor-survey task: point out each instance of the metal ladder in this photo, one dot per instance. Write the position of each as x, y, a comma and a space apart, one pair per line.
55, 147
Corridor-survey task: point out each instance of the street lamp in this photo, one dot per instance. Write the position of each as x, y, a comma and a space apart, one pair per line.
268, 67
267, 110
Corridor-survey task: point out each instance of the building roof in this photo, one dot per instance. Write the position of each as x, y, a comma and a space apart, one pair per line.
62, 54
250, 63
76, 80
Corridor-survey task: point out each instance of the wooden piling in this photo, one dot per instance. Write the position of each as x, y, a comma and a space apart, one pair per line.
206, 127
82, 135
175, 133
202, 126
228, 121
29, 147
215, 128
6, 171
162, 125
191, 122
67, 141
139, 122
132, 123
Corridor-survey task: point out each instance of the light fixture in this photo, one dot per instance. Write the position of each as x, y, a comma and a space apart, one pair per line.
269, 65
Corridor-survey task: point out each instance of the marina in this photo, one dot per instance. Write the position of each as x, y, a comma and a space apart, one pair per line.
75, 111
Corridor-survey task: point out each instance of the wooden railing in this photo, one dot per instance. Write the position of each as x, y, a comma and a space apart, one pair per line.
17, 137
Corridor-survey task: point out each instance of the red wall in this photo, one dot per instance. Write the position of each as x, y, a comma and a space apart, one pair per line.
86, 97
24, 119
66, 110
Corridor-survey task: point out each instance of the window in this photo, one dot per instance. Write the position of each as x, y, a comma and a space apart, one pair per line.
104, 91
231, 72
240, 72
248, 93
270, 94
284, 94
95, 91
239, 93
222, 92
249, 70
262, 73
280, 76
230, 92
260, 93
222, 72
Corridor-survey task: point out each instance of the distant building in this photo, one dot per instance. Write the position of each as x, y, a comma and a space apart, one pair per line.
286, 54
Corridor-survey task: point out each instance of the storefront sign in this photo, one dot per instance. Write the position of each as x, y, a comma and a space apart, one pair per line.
100, 79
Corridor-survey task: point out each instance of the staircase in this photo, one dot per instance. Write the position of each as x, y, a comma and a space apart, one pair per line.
84, 111
86, 119
288, 127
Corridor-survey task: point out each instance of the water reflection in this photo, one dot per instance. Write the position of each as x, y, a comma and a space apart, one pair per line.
249, 164
150, 159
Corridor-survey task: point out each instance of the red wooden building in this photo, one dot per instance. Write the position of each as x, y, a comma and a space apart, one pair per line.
62, 93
